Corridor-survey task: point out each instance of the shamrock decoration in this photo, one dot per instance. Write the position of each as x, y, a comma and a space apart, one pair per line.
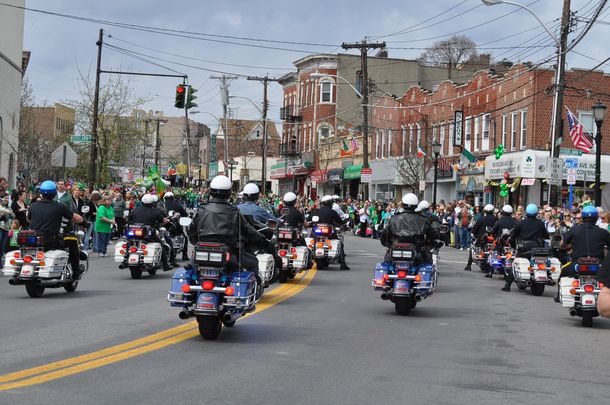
499, 151
503, 190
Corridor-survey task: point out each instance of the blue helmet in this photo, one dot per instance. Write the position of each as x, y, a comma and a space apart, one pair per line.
531, 210
589, 212
48, 189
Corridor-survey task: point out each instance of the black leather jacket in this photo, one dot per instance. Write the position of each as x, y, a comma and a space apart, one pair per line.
506, 222
486, 220
409, 227
221, 222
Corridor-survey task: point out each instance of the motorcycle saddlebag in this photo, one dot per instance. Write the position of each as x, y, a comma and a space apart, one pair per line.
381, 270
244, 283
521, 268
565, 285
175, 296
55, 263
427, 284
9, 270
154, 253
118, 256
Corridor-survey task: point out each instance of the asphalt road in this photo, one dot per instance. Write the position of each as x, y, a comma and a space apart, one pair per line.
335, 342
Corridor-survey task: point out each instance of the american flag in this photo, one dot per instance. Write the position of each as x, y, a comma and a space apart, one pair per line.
354, 145
579, 138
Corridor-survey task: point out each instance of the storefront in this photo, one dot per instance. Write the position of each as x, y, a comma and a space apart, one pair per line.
445, 186
383, 180
471, 187
291, 176
351, 181
526, 172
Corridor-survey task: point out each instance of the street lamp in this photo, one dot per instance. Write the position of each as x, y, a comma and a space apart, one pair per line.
559, 72
436, 149
231, 163
599, 113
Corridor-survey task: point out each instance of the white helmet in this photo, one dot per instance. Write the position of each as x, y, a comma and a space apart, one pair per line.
148, 199
422, 206
488, 208
290, 197
155, 198
167, 195
251, 189
336, 197
221, 186
410, 199
326, 199
507, 209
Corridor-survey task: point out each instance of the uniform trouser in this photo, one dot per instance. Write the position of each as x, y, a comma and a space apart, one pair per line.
341, 258
249, 262
510, 277
73, 252
155, 238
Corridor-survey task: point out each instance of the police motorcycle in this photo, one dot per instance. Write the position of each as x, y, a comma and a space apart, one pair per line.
139, 251
37, 269
176, 233
579, 293
541, 270
501, 258
295, 258
481, 254
212, 290
326, 250
269, 264
402, 281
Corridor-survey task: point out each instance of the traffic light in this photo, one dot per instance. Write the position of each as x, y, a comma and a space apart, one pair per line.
190, 97
180, 94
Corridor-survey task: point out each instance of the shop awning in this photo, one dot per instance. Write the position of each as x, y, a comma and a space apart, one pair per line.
278, 171
352, 172
335, 176
318, 176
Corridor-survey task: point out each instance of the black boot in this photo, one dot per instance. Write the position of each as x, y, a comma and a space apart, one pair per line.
488, 275
506, 288
344, 266
467, 268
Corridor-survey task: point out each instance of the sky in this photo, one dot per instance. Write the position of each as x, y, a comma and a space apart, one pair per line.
61, 47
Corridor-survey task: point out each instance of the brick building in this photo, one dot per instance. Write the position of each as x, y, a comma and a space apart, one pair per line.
513, 109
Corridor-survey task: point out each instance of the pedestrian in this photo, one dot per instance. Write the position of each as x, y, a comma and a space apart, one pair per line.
19, 207
13, 234
6, 218
119, 207
364, 222
103, 224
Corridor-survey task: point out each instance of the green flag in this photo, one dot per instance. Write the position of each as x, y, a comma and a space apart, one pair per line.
467, 157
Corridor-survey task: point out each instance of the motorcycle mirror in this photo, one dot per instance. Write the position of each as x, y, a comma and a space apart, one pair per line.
162, 229
284, 211
85, 209
171, 213
315, 218
272, 223
185, 221
81, 235
125, 213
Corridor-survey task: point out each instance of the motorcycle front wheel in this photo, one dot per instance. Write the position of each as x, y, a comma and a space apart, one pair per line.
34, 290
209, 326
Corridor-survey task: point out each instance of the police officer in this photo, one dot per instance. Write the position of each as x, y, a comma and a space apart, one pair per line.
327, 215
295, 217
408, 226
149, 214
169, 200
337, 207
478, 231
46, 216
221, 222
507, 221
586, 240
250, 207
527, 234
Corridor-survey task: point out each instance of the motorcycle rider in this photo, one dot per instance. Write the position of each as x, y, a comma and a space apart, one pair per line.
295, 217
220, 222
527, 234
586, 240
408, 226
46, 216
478, 231
171, 204
149, 214
327, 215
507, 221
337, 207
250, 207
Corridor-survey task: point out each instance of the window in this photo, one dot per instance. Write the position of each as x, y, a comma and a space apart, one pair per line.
410, 139
310, 130
442, 140
467, 132
477, 128
323, 132
383, 144
404, 139
450, 145
389, 143
306, 94
504, 119
513, 129
377, 152
486, 125
434, 133
523, 129
326, 89
418, 135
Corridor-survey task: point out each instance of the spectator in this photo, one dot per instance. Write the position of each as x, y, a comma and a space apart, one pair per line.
103, 224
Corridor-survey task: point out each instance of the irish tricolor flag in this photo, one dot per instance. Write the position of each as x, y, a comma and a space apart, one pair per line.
420, 152
467, 157
345, 149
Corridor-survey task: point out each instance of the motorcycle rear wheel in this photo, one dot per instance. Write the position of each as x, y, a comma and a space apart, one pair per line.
587, 319
209, 326
152, 272
33, 290
321, 263
136, 272
283, 277
403, 305
71, 287
537, 289
520, 286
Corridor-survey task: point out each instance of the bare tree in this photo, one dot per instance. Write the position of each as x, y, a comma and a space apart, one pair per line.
116, 100
411, 170
34, 146
450, 53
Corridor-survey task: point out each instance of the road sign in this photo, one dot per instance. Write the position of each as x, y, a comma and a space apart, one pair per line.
63, 156
571, 177
366, 173
422, 185
80, 139
554, 171
528, 182
558, 141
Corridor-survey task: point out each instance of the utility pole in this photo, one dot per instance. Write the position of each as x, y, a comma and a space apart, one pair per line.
96, 102
146, 122
158, 141
557, 121
187, 133
364, 47
265, 80
224, 99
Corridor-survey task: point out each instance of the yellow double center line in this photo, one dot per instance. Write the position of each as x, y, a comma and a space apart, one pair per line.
124, 351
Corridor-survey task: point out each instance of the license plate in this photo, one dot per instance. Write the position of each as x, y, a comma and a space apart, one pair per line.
587, 299
540, 276
319, 252
401, 287
134, 259
27, 271
209, 272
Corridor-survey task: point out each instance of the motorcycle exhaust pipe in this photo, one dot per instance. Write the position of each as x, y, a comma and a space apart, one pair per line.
572, 311
185, 315
417, 298
15, 281
49, 283
122, 266
227, 317
385, 296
